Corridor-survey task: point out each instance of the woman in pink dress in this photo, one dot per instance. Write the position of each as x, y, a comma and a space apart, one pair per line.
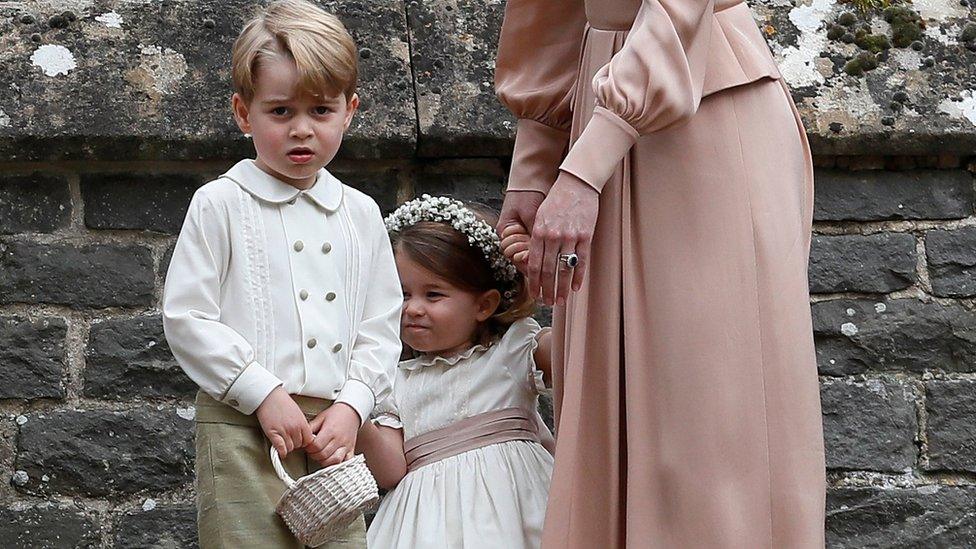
657, 141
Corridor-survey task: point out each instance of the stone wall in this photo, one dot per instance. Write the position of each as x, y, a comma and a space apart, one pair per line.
115, 111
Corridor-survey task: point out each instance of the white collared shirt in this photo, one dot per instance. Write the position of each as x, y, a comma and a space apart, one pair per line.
271, 285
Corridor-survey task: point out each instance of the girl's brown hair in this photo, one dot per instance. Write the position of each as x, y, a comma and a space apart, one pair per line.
445, 251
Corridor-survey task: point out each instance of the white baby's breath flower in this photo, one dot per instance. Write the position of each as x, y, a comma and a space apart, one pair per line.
453, 212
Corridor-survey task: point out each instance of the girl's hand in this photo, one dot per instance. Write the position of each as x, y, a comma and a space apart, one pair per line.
564, 224
335, 432
283, 422
515, 244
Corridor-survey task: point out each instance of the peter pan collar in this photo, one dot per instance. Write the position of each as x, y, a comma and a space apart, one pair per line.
326, 192
423, 361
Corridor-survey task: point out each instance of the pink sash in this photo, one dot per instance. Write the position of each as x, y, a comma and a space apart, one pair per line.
468, 434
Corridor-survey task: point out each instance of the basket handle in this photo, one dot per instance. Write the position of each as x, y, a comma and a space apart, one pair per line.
279, 469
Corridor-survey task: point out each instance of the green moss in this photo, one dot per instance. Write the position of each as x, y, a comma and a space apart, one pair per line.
847, 19
874, 43
968, 33
906, 25
871, 5
835, 32
864, 62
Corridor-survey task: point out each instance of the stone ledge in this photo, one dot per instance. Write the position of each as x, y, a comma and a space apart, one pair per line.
156, 86
152, 80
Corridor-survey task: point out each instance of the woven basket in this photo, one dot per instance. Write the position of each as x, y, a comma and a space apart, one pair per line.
321, 505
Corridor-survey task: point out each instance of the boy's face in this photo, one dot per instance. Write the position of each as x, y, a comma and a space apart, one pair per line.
295, 134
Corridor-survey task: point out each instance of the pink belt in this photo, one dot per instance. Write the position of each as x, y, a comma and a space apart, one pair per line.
468, 434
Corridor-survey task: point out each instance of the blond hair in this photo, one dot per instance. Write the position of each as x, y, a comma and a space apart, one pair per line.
315, 40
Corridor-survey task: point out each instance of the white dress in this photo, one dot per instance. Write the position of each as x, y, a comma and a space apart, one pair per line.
490, 497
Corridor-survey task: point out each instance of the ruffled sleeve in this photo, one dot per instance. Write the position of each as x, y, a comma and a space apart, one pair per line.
653, 82
535, 74
517, 352
387, 413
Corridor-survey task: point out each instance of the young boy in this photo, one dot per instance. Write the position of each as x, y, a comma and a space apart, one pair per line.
282, 300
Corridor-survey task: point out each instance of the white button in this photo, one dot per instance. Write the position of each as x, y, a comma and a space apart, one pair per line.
299, 245
330, 296
337, 347
312, 343
326, 248
303, 294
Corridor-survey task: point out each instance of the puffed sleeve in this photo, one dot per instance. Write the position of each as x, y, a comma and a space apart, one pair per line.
387, 412
535, 74
517, 353
214, 355
653, 82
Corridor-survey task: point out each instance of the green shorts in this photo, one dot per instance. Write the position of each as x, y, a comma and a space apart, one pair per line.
237, 488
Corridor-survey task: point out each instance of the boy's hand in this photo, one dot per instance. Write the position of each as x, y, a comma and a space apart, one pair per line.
283, 422
335, 432
515, 244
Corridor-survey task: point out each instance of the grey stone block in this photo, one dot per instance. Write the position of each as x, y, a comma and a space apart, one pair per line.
35, 203
170, 527
152, 202
101, 453
32, 358
857, 336
929, 517
877, 263
129, 357
951, 428
952, 261
868, 425
48, 526
78, 275
873, 195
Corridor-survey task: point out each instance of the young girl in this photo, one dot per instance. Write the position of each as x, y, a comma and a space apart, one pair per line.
463, 425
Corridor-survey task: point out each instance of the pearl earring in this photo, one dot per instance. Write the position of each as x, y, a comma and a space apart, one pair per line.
247, 135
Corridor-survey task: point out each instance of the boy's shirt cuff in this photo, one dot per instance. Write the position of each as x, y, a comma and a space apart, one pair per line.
250, 388
359, 396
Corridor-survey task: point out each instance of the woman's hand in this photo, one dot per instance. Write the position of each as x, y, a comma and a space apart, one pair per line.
563, 224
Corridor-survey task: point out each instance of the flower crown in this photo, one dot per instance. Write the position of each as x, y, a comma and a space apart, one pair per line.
481, 235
